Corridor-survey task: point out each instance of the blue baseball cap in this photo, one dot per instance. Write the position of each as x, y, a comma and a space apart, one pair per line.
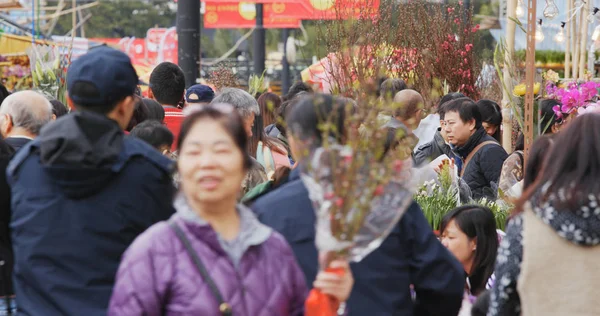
199, 93
101, 77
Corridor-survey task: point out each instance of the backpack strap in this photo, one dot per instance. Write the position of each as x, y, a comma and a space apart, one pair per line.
473, 152
224, 308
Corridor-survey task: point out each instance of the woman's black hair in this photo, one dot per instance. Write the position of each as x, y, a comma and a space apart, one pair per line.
547, 116
259, 135
3, 92
305, 119
140, 114
574, 167
155, 110
154, 133
491, 113
520, 144
477, 222
466, 108
227, 117
58, 108
535, 162
390, 87
297, 88
268, 103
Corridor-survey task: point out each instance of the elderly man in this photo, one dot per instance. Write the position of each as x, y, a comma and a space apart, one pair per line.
248, 108
22, 116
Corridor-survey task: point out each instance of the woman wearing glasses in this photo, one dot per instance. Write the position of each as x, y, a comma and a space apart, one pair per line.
213, 257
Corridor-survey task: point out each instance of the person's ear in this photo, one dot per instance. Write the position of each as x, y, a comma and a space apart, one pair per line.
472, 125
124, 111
473, 244
151, 94
53, 117
6, 126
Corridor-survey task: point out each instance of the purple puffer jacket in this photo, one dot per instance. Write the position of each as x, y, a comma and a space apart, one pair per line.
157, 277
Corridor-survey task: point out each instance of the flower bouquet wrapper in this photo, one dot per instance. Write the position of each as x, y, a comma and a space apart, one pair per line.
357, 201
45, 66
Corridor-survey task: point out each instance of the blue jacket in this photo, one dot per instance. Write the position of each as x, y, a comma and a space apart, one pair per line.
411, 254
81, 193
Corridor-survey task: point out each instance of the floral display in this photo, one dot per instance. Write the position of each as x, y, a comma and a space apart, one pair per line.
573, 96
438, 197
15, 72
45, 69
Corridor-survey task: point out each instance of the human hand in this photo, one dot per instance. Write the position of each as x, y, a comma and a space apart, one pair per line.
444, 162
337, 283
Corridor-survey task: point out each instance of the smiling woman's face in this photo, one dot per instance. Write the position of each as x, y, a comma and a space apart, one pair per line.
210, 164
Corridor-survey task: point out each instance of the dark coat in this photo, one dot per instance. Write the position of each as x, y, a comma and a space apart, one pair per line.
411, 254
483, 172
6, 254
17, 142
430, 151
81, 193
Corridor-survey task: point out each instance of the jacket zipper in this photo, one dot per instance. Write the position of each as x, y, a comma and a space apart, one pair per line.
243, 288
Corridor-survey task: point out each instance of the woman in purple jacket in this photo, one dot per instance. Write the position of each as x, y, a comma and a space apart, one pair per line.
214, 257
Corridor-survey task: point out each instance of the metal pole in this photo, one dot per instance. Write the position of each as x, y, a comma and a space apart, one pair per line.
285, 66
509, 52
188, 35
529, 75
258, 42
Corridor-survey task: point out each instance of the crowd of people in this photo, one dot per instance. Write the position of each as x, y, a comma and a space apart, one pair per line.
190, 202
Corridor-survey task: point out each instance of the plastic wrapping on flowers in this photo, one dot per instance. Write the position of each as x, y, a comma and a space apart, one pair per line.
357, 199
45, 68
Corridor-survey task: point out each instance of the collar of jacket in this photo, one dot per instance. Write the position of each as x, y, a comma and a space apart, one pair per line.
252, 232
474, 140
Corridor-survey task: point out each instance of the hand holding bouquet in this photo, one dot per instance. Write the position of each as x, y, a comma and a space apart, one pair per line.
360, 188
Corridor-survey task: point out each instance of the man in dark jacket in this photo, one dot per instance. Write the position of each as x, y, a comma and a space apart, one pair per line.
22, 116
82, 192
6, 253
411, 254
479, 156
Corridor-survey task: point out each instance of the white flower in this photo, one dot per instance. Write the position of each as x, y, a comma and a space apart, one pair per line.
585, 212
548, 214
570, 231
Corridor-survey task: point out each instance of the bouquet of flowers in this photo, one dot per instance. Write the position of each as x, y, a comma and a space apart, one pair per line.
45, 69
359, 188
437, 197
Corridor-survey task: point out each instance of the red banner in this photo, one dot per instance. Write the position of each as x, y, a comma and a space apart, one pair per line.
242, 15
221, 14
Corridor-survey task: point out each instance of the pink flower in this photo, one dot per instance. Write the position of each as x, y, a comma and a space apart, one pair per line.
339, 202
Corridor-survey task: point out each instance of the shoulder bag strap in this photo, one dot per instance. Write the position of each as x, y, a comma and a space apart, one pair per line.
473, 152
223, 306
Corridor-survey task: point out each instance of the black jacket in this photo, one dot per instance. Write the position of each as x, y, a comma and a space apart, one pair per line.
430, 151
483, 172
6, 254
17, 142
410, 255
81, 193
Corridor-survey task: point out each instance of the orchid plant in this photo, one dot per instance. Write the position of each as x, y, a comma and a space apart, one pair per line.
574, 97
